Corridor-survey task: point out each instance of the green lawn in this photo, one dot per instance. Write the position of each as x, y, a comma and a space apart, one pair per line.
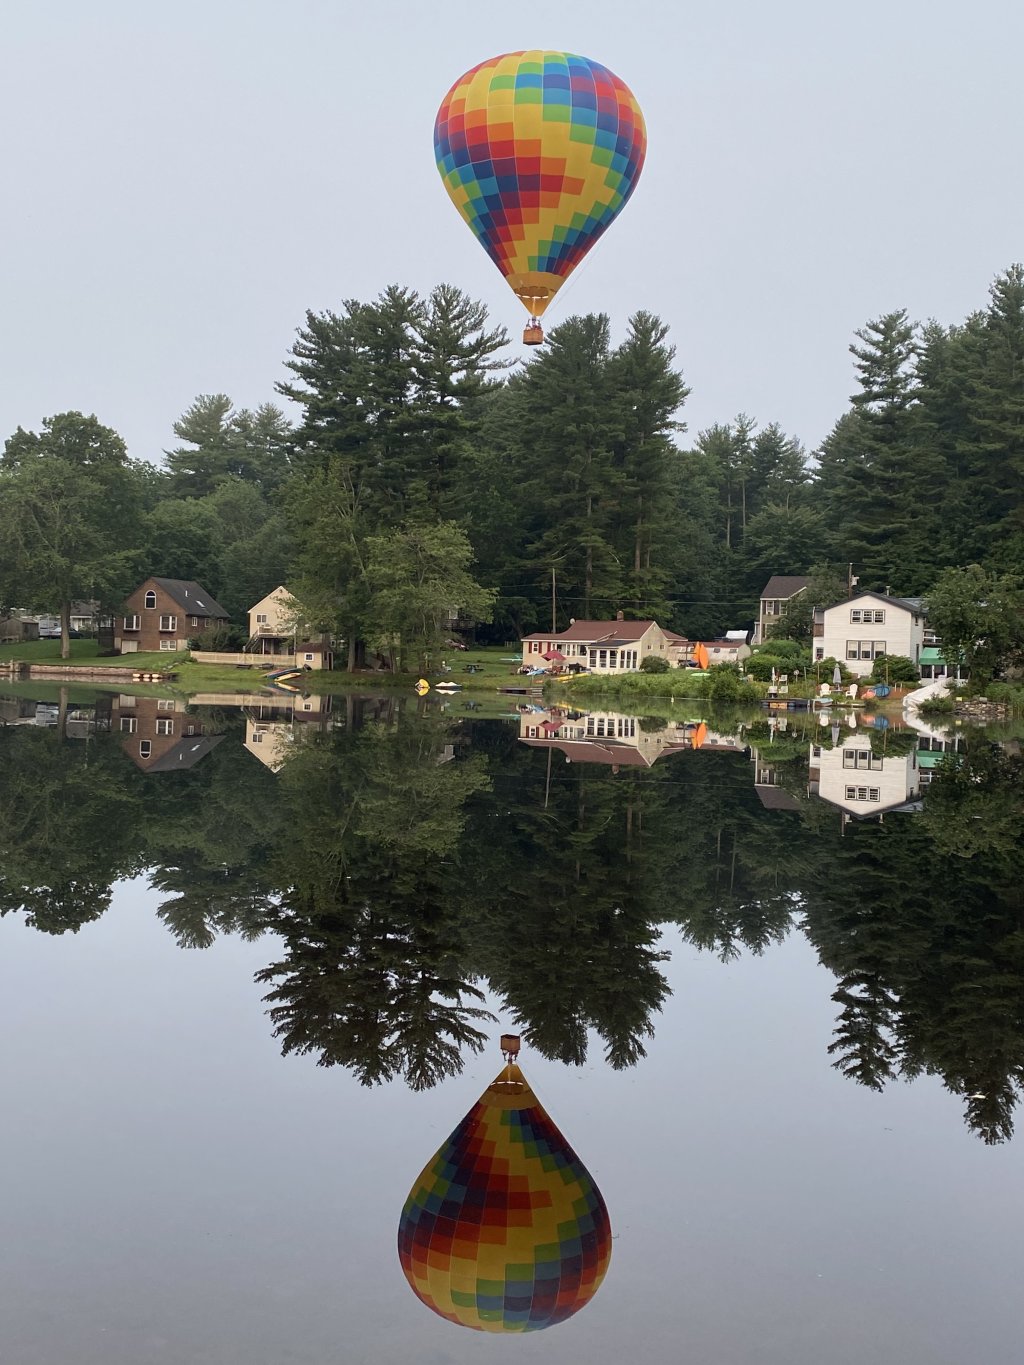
496, 668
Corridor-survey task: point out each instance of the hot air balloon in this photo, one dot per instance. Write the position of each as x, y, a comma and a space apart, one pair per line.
539, 151
701, 657
505, 1230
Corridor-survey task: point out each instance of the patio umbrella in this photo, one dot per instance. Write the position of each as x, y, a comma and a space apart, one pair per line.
837, 676
554, 656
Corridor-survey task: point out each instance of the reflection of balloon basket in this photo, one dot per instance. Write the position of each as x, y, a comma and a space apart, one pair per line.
533, 333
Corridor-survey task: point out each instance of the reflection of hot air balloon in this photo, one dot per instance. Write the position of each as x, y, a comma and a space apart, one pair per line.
539, 151
505, 1230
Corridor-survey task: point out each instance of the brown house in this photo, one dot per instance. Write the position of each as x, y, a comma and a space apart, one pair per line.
165, 613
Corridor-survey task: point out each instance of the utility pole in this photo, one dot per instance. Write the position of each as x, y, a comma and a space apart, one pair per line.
554, 611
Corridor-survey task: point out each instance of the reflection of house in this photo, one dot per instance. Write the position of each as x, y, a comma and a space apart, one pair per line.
606, 737
604, 646
270, 727
775, 595
862, 783
276, 627
165, 613
768, 784
856, 632
158, 734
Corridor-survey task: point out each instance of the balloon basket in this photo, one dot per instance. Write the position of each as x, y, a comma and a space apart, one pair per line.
533, 334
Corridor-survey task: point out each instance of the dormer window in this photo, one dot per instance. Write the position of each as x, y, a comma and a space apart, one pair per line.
150, 599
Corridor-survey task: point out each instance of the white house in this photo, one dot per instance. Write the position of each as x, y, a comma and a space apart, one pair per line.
856, 632
603, 646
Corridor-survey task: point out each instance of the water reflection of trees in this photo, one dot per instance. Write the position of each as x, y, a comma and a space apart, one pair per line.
410, 863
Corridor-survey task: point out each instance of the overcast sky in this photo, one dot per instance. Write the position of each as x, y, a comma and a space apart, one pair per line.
183, 180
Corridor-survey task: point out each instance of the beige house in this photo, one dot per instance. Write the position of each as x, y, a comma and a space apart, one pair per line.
276, 627
856, 632
603, 646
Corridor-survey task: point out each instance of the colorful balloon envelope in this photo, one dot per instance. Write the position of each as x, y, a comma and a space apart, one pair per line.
505, 1230
539, 152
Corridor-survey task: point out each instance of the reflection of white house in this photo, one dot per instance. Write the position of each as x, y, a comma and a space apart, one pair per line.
861, 782
868, 625
604, 646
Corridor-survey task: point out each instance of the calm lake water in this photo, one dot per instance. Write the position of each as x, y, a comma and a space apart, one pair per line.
768, 973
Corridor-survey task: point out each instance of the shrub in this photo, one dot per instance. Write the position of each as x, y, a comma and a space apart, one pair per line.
893, 668
654, 663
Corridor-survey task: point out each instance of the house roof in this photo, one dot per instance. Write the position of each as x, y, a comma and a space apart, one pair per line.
776, 798
191, 597
185, 754
605, 632
915, 605
602, 751
784, 586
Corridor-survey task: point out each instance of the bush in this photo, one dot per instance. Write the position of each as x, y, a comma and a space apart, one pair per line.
651, 725
893, 668
725, 683
654, 663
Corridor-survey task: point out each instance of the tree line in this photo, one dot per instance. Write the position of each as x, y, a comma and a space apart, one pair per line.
417, 474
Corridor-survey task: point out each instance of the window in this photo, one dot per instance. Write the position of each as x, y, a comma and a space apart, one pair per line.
165, 704
127, 725
307, 706
131, 623
164, 726
853, 649
879, 617
261, 619
194, 620
862, 793
169, 644
593, 658
855, 615
603, 658
879, 648
190, 729
613, 658
861, 758
168, 623
145, 748
150, 600
257, 737
819, 652
309, 658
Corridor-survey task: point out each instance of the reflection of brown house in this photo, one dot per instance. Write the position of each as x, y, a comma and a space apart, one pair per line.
158, 734
164, 614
